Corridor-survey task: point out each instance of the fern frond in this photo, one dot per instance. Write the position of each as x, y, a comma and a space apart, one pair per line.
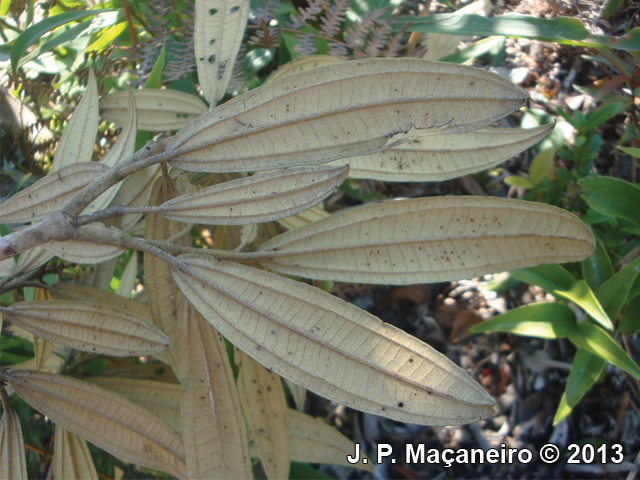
306, 14
357, 33
265, 11
339, 51
394, 45
330, 24
378, 40
306, 46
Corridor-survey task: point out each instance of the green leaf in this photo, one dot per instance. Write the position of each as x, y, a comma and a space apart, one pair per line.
597, 269
612, 196
602, 114
630, 321
610, 7
597, 341
106, 38
634, 152
563, 30
518, 181
304, 471
557, 281
544, 320
473, 51
585, 371
66, 36
4, 7
155, 76
614, 293
34, 32
540, 165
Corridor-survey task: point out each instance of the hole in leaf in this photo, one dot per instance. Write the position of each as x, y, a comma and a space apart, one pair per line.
212, 58
213, 40
234, 9
213, 11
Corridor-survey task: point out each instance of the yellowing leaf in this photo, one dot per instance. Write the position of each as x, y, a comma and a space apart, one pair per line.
265, 413
160, 398
76, 143
298, 220
302, 65
329, 346
440, 157
84, 252
87, 327
13, 463
164, 295
96, 296
157, 110
71, 457
121, 149
540, 165
349, 108
219, 27
104, 418
48, 194
256, 199
430, 240
214, 434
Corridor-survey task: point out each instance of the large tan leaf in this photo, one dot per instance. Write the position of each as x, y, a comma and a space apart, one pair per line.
32, 259
265, 412
48, 194
349, 108
88, 327
298, 220
104, 418
135, 191
160, 398
71, 457
158, 110
84, 252
440, 157
302, 65
121, 149
96, 296
257, 199
426, 240
164, 295
214, 434
329, 346
219, 27
13, 464
76, 143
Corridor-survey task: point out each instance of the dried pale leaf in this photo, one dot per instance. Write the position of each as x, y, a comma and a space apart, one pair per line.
214, 434
329, 346
313, 441
164, 295
349, 108
88, 327
160, 398
71, 457
429, 240
42, 348
7, 267
257, 199
157, 110
218, 30
265, 412
121, 149
32, 259
48, 194
299, 393
440, 45
128, 278
248, 234
76, 143
99, 276
82, 293
135, 192
440, 157
315, 213
13, 464
302, 65
84, 252
138, 229
104, 418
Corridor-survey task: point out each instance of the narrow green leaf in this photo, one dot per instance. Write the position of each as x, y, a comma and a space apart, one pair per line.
544, 320
602, 114
540, 165
597, 269
4, 7
585, 371
155, 77
518, 181
34, 32
563, 30
597, 341
106, 38
610, 7
474, 50
581, 295
614, 293
630, 321
612, 196
634, 152
70, 34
